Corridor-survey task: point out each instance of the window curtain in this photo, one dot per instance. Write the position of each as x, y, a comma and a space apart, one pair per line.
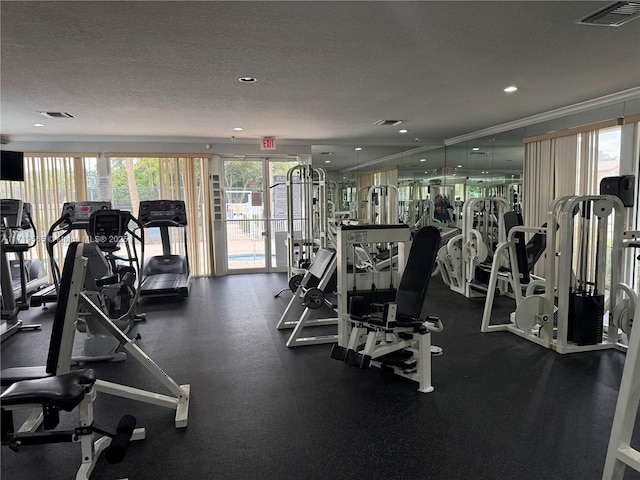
50, 180
559, 166
588, 165
549, 172
187, 178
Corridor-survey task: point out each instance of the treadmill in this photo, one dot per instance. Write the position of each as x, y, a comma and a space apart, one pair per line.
75, 216
166, 274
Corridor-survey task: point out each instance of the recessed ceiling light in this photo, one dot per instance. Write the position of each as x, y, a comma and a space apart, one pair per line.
327, 161
511, 89
475, 149
238, 129
459, 166
423, 159
38, 124
358, 149
248, 79
404, 130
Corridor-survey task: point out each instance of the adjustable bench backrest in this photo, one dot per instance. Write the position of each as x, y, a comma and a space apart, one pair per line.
75, 250
321, 262
412, 290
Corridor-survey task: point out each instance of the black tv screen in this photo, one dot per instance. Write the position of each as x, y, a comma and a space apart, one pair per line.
12, 166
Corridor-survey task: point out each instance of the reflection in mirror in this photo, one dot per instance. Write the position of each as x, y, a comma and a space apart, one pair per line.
490, 166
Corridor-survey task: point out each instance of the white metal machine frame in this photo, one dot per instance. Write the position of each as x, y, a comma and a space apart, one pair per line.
620, 453
307, 215
178, 401
323, 274
459, 257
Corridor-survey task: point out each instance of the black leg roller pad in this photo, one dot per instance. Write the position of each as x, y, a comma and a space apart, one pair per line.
338, 353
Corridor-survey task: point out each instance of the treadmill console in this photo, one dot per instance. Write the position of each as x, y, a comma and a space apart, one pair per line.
80, 212
12, 212
163, 213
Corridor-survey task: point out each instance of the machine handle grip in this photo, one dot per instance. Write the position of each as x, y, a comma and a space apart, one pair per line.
120, 442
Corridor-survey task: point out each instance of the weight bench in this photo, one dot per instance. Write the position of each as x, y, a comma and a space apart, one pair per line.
397, 335
66, 392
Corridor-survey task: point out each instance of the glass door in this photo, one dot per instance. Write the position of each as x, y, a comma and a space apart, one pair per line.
255, 195
245, 215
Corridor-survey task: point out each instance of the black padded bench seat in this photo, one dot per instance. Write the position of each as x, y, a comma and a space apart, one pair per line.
17, 374
64, 392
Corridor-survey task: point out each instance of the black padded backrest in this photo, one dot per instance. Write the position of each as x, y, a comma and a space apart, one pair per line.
513, 219
535, 248
75, 250
412, 290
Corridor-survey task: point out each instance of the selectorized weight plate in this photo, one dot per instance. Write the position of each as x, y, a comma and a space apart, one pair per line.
294, 282
602, 208
313, 298
533, 310
622, 316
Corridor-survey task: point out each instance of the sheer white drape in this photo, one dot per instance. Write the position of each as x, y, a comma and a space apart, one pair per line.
188, 179
549, 172
49, 180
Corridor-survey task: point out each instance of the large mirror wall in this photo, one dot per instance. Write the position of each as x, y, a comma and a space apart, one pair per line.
483, 167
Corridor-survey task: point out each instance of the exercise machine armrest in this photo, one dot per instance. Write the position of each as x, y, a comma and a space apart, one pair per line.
434, 324
108, 280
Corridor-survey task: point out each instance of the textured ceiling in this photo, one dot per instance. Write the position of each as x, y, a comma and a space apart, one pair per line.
326, 70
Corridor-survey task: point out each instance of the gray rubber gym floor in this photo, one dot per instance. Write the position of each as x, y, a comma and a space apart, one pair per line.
503, 408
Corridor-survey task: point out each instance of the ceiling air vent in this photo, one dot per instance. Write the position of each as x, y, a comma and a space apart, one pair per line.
613, 15
57, 115
388, 122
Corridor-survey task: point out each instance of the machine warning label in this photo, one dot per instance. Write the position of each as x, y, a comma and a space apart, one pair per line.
358, 237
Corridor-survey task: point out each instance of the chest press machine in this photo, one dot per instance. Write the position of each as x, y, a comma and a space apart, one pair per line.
569, 316
394, 335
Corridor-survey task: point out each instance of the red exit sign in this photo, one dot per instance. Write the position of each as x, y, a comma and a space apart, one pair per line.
268, 143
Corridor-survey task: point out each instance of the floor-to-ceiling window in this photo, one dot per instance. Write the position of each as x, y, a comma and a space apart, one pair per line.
134, 179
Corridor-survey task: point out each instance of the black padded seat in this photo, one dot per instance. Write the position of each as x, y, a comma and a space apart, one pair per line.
17, 374
64, 392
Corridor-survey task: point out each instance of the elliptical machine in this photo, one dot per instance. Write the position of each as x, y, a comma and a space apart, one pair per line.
16, 226
74, 218
115, 255
111, 280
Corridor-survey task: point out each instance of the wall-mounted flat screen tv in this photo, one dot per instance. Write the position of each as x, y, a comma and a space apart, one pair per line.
12, 166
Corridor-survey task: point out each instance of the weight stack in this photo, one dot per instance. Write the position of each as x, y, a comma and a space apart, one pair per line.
586, 314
